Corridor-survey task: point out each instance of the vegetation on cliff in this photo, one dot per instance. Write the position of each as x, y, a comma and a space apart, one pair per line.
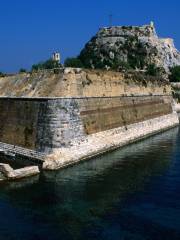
2, 74
128, 48
175, 74
22, 70
49, 64
94, 56
73, 62
153, 70
116, 65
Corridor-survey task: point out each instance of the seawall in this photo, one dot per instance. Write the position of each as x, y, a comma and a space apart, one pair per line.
96, 144
93, 112
46, 124
66, 130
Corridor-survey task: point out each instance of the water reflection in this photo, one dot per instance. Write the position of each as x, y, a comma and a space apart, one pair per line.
98, 199
19, 183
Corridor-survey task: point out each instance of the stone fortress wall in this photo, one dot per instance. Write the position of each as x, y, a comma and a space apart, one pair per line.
144, 33
46, 124
118, 31
104, 109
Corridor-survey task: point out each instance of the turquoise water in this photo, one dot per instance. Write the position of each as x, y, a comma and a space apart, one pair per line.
132, 193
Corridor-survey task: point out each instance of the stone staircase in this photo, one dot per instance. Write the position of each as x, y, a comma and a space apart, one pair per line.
12, 151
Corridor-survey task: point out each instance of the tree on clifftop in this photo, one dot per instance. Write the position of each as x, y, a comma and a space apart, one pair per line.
22, 70
153, 70
175, 74
49, 64
73, 62
2, 74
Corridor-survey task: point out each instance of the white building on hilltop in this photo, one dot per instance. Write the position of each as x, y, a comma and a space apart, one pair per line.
56, 57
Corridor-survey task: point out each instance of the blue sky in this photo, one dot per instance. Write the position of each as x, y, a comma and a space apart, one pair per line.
30, 30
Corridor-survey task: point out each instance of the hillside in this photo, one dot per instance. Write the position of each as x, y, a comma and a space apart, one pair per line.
129, 47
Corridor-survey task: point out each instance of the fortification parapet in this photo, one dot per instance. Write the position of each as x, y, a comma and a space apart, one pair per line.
118, 31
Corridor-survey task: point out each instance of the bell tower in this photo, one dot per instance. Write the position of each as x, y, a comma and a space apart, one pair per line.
56, 57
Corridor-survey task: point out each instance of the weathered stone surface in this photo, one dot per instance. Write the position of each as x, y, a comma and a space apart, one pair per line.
9, 173
177, 107
6, 170
47, 124
58, 124
26, 172
94, 144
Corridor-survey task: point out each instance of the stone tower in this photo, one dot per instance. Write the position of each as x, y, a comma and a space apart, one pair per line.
56, 57
152, 24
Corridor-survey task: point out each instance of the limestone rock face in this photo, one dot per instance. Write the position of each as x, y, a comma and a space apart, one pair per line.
138, 47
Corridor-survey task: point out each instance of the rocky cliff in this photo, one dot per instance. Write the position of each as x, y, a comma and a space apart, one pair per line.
130, 47
71, 82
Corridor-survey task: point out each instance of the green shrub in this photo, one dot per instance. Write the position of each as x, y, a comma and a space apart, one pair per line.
22, 70
73, 62
120, 65
87, 57
49, 64
175, 74
2, 74
153, 70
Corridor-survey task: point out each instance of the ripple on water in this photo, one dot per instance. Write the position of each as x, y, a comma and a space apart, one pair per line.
131, 193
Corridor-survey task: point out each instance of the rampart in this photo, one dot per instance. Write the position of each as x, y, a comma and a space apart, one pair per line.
119, 31
89, 113
45, 124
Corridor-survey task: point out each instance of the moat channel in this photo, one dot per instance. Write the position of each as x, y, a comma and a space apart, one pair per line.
131, 193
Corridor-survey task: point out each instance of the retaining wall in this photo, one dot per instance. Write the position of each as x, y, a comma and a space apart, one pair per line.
44, 124
76, 114
101, 142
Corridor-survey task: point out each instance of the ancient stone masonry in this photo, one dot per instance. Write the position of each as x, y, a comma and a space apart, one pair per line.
85, 113
58, 123
47, 124
102, 142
